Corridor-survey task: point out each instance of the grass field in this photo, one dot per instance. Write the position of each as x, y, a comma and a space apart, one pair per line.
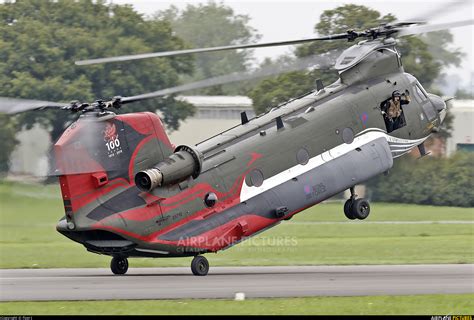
385, 305
28, 239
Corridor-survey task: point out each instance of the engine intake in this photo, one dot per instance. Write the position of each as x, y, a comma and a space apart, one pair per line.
185, 162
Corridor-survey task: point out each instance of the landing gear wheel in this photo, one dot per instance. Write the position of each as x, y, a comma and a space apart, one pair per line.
119, 265
360, 209
348, 209
200, 266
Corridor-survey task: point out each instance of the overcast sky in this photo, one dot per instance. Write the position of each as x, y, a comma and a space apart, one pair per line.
280, 20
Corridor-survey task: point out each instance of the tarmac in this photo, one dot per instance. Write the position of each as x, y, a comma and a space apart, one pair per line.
225, 282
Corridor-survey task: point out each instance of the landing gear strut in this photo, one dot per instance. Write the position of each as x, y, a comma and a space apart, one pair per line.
119, 265
356, 208
200, 266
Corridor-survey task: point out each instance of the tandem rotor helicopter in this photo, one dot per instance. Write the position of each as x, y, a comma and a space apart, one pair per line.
129, 192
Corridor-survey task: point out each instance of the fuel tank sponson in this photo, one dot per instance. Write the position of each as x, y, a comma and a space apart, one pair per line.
185, 162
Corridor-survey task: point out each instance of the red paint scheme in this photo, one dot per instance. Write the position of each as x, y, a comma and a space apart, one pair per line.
225, 235
83, 188
222, 234
72, 156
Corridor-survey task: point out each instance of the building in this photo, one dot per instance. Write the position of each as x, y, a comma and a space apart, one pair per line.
30, 156
214, 114
462, 135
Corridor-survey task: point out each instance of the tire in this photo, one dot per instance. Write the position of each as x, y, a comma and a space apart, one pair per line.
361, 209
200, 266
118, 265
348, 209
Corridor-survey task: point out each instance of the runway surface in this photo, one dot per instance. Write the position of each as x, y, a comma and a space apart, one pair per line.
224, 282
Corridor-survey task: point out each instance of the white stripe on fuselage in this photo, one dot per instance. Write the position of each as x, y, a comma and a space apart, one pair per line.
361, 139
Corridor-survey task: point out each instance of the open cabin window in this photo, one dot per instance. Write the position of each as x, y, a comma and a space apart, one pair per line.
392, 123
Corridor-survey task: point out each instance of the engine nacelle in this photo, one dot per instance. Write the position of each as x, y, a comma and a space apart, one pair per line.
185, 162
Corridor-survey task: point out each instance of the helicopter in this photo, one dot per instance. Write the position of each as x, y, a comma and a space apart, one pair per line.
129, 192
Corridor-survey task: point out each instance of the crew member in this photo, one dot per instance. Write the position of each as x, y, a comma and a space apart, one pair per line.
394, 111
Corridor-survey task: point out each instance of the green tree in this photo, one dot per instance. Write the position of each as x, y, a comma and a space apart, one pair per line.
439, 45
40, 41
464, 94
282, 88
422, 60
424, 56
340, 20
209, 25
431, 181
274, 91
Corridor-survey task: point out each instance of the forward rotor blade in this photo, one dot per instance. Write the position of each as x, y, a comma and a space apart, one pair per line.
445, 8
433, 27
318, 61
13, 105
212, 49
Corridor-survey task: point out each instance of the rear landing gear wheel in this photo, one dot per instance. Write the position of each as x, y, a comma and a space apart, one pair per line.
360, 209
356, 208
119, 265
348, 209
200, 266
349, 204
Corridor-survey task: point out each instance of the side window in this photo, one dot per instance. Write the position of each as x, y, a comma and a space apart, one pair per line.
422, 99
393, 119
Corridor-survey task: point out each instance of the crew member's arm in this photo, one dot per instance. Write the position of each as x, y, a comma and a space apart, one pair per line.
405, 99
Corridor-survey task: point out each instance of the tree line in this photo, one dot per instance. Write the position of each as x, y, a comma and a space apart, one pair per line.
429, 181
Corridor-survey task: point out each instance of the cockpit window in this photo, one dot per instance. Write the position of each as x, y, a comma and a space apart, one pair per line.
420, 95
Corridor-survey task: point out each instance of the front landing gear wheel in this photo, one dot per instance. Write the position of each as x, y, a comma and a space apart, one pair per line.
360, 209
200, 266
348, 209
119, 265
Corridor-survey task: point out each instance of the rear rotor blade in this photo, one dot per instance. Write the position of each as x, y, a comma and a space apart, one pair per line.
445, 8
212, 49
433, 27
13, 105
318, 61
